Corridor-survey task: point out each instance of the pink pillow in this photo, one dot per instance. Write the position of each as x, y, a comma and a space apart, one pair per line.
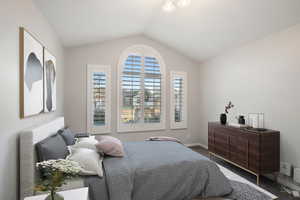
110, 146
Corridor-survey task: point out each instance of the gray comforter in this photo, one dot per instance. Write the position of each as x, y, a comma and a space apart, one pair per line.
160, 171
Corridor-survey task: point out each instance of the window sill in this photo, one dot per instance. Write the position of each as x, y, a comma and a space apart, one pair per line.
140, 129
178, 128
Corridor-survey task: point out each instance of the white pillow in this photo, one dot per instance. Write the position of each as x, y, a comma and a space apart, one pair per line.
89, 160
86, 138
88, 143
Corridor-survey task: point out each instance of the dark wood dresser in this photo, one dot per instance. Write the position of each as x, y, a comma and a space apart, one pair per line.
253, 151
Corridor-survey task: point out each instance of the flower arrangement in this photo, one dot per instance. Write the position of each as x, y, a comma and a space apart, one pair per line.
223, 116
228, 107
54, 174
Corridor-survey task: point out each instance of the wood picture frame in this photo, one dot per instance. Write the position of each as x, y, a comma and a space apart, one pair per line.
31, 74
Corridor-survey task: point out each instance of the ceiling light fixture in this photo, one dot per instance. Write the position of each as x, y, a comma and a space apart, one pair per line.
171, 5
183, 3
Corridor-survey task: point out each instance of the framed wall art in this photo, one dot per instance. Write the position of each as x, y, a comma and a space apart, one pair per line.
31, 75
49, 82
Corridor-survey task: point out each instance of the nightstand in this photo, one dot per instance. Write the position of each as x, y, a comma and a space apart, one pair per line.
76, 194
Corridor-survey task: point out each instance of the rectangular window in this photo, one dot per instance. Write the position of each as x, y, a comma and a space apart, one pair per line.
98, 99
178, 100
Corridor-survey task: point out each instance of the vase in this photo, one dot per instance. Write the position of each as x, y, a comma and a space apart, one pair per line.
223, 118
242, 120
54, 196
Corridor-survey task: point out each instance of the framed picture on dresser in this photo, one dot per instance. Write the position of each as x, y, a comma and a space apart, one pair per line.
256, 120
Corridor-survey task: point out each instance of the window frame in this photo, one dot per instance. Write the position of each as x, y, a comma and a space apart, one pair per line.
183, 124
98, 130
143, 51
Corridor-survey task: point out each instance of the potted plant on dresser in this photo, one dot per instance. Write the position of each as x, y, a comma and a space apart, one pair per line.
54, 174
223, 116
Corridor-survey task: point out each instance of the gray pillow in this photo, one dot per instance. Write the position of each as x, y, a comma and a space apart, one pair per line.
52, 148
67, 135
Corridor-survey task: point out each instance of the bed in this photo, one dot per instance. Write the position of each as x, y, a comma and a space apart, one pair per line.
148, 171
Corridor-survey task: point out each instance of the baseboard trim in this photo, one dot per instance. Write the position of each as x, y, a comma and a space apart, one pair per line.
197, 144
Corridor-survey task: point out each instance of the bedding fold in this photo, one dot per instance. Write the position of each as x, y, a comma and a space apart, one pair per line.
164, 138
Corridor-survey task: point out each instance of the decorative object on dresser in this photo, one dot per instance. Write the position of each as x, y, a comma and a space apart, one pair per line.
76, 194
223, 116
257, 152
54, 173
242, 120
256, 120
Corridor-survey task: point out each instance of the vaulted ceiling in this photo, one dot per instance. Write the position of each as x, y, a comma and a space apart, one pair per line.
204, 29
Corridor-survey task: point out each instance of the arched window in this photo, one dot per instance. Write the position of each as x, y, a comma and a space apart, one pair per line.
141, 100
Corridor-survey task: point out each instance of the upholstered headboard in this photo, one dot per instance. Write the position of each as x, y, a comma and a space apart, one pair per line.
28, 139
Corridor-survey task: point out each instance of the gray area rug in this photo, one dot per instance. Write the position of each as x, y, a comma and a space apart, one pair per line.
242, 191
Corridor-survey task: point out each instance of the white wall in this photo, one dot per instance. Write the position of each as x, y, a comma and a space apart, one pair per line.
15, 13
263, 76
108, 53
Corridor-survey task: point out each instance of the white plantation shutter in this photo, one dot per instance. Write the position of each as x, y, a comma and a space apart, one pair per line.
98, 99
131, 90
99, 90
141, 100
152, 90
178, 100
